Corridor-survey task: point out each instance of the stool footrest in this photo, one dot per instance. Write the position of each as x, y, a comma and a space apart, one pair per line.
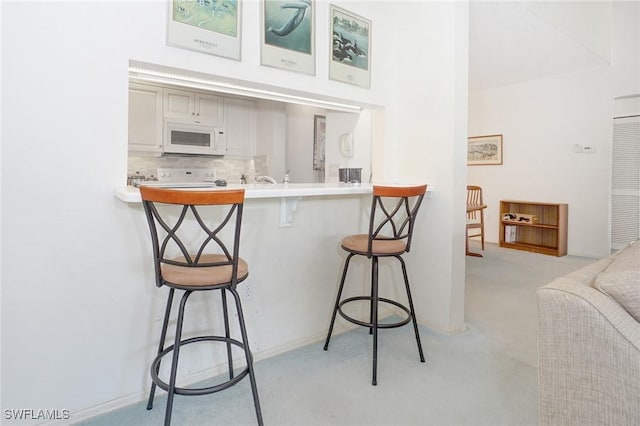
198, 391
368, 324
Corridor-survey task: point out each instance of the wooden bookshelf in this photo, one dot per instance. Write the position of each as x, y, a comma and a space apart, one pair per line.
545, 232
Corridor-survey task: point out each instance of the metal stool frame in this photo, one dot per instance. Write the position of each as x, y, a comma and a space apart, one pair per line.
190, 202
398, 223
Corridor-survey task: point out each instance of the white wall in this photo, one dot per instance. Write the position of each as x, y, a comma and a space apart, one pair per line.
76, 283
541, 121
626, 58
587, 22
271, 124
1, 220
299, 143
359, 126
425, 137
626, 48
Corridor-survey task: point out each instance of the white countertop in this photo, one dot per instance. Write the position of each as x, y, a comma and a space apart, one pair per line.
130, 194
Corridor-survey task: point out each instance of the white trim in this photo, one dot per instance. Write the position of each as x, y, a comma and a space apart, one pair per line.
198, 376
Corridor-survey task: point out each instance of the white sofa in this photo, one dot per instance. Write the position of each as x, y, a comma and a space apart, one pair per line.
589, 344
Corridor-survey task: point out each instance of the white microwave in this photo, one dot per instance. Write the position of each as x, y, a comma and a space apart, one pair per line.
184, 138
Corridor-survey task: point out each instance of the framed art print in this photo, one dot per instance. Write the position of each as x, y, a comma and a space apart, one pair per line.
350, 60
288, 35
319, 141
484, 150
209, 26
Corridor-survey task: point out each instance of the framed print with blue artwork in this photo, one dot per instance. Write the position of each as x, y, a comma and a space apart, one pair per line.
350, 58
288, 35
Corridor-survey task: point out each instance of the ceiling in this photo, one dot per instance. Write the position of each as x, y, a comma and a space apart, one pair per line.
511, 42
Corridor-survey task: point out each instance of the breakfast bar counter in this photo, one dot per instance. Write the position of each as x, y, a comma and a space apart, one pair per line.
131, 194
291, 236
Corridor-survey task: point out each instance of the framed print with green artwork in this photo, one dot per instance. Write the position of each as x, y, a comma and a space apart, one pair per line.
209, 26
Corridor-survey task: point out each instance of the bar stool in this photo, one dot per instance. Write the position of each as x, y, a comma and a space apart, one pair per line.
391, 225
192, 264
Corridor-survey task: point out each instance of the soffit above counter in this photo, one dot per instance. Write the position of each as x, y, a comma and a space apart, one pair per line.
142, 72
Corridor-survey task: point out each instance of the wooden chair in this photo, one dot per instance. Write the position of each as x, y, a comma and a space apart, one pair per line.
475, 216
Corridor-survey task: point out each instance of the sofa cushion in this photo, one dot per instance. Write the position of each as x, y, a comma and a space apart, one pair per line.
621, 279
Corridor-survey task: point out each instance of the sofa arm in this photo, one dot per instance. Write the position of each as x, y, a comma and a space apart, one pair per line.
589, 357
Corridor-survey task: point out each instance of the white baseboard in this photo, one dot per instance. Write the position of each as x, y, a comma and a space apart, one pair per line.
341, 327
441, 330
198, 376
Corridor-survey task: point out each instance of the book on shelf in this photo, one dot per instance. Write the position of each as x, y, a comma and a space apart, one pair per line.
510, 233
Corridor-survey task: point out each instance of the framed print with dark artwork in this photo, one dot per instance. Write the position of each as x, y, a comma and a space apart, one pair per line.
350, 59
288, 35
484, 150
319, 141
209, 26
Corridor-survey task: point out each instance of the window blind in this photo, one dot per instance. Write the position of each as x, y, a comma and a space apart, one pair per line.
625, 202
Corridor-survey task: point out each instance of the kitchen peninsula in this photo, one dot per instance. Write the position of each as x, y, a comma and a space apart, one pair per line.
288, 193
131, 194
290, 237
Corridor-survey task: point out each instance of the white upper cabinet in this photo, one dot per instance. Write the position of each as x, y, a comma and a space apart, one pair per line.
241, 127
145, 118
152, 108
192, 107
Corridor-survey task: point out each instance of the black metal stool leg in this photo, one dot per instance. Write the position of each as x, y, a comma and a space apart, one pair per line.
174, 361
226, 331
248, 356
163, 335
413, 312
371, 304
335, 308
374, 316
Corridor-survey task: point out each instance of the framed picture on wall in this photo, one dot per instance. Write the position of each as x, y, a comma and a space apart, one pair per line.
288, 35
319, 141
484, 150
209, 26
350, 58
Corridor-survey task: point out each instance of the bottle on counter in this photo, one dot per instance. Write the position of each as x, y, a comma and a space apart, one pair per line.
243, 179
286, 177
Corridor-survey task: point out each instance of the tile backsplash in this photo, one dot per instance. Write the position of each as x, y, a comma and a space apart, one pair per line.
229, 169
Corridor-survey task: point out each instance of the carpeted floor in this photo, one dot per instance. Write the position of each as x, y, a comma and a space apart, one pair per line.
484, 376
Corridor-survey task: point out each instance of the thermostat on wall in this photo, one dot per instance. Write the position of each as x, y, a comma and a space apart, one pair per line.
584, 149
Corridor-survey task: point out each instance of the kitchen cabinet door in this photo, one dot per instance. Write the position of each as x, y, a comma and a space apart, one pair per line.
241, 127
209, 109
145, 118
192, 107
